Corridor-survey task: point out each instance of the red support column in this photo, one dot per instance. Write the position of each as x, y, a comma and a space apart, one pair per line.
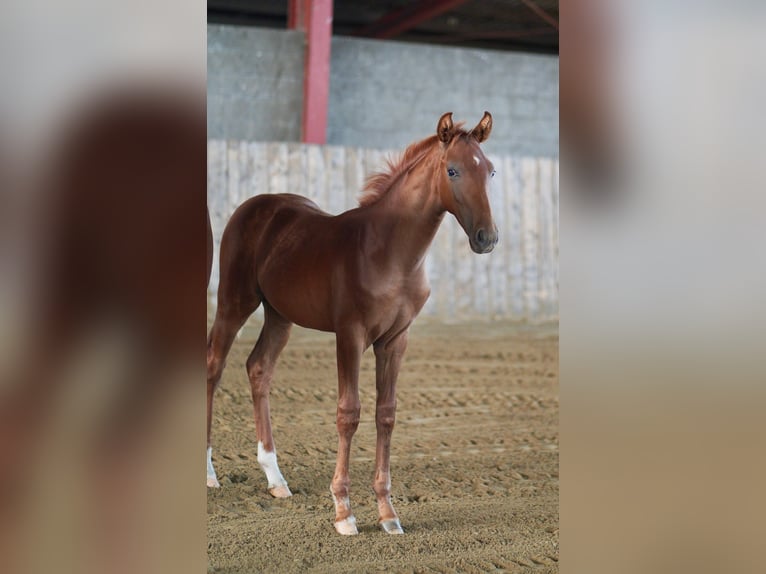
317, 21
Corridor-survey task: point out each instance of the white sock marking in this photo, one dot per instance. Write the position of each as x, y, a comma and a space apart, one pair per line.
212, 479
268, 462
347, 526
343, 501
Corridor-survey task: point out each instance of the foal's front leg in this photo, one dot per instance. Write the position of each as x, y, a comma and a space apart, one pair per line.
349, 351
388, 358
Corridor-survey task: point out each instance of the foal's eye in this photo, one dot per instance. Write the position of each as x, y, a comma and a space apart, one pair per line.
492, 174
451, 172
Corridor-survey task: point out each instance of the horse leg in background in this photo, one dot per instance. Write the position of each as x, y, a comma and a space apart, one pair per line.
228, 320
388, 358
260, 370
349, 348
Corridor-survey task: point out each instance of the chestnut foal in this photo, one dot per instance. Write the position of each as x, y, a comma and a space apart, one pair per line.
358, 274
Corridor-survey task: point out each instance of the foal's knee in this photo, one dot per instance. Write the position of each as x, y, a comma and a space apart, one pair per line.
348, 418
385, 418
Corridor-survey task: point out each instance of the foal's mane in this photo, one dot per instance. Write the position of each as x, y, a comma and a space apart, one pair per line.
379, 183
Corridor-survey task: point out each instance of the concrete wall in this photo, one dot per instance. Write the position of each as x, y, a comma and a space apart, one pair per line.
388, 94
254, 83
382, 94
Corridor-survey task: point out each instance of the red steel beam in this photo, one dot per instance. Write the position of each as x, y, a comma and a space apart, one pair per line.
316, 70
403, 19
541, 13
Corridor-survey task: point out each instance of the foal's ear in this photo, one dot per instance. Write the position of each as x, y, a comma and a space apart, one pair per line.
483, 128
445, 129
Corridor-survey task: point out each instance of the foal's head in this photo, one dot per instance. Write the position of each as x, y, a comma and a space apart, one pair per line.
463, 179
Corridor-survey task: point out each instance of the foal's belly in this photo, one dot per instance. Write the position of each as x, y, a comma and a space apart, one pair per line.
314, 294
300, 291
302, 309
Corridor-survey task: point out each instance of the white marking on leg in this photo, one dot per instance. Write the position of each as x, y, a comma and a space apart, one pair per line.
347, 526
344, 502
277, 483
476, 160
212, 479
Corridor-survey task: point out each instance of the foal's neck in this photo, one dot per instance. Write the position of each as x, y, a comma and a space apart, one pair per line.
411, 212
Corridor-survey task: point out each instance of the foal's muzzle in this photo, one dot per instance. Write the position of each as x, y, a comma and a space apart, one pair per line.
484, 241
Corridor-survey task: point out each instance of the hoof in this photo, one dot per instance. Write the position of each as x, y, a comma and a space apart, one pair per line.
391, 526
212, 482
280, 491
347, 526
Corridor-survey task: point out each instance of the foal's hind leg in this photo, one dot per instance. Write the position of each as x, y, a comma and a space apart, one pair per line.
260, 370
228, 321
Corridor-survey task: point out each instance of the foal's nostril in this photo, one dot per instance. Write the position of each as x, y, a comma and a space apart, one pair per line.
481, 237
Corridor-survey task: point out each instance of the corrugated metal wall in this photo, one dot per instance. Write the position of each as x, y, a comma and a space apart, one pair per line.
518, 280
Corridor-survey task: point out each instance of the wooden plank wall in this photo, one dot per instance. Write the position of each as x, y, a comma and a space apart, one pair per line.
518, 280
